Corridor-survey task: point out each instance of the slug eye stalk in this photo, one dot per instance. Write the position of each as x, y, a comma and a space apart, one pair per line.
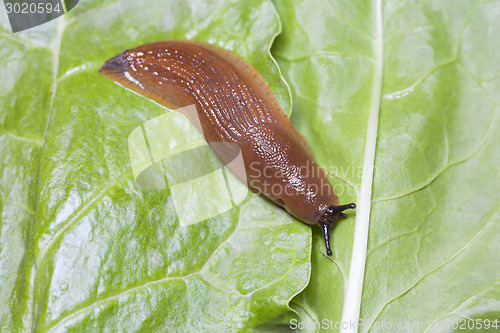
329, 219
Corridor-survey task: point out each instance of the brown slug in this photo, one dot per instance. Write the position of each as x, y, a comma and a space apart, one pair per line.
234, 106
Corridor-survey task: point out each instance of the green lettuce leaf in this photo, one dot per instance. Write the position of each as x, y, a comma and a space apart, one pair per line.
399, 101
82, 247
410, 90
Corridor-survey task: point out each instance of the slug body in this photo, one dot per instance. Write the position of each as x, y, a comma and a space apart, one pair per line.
235, 108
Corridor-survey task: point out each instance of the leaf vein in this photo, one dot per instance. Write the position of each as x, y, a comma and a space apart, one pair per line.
448, 166
458, 308
439, 266
353, 295
56, 50
124, 292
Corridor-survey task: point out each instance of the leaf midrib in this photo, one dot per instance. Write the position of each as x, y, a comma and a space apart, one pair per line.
354, 284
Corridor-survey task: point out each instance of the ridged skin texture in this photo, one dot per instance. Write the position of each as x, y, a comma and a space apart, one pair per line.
234, 105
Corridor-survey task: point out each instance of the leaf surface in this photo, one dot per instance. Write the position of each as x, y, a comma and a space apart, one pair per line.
425, 76
84, 248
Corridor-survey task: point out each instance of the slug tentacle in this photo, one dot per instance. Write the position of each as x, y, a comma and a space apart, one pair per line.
326, 235
337, 210
329, 219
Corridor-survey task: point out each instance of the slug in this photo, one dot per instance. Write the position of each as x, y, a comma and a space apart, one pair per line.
234, 106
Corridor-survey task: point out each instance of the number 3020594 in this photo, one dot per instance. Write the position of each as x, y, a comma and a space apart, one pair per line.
33, 8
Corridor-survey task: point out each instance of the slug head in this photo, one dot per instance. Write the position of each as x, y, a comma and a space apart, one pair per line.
329, 219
